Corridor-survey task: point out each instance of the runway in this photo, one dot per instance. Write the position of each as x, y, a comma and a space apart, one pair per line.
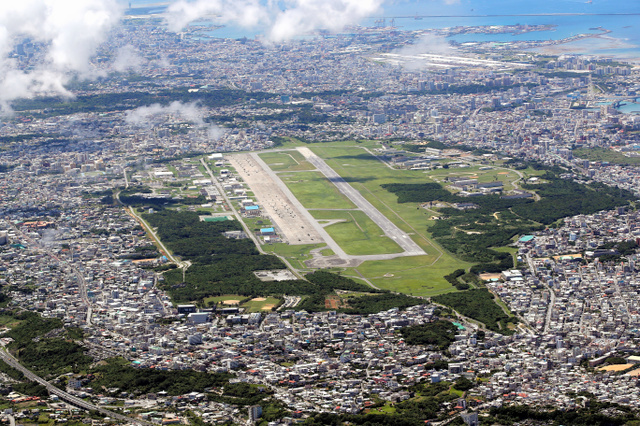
299, 226
389, 228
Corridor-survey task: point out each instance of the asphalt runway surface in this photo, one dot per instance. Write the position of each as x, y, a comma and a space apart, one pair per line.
389, 228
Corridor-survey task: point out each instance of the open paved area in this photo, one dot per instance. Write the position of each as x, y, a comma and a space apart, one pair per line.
278, 203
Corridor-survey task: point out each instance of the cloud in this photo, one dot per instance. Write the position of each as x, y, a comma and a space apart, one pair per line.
307, 15
147, 115
67, 33
428, 43
282, 20
16, 84
127, 59
247, 13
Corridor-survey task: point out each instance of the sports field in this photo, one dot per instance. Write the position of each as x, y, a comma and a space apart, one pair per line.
228, 300
260, 304
257, 304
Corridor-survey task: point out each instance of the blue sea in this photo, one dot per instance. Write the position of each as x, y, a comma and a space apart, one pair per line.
571, 17
630, 107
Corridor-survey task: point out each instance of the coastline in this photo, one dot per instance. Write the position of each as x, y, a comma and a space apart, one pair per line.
602, 45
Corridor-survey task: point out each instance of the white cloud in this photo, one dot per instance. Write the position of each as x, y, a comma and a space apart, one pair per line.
282, 20
305, 15
148, 115
127, 59
428, 43
247, 13
69, 31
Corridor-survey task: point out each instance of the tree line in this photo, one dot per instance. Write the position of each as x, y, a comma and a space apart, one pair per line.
225, 266
472, 234
438, 333
480, 305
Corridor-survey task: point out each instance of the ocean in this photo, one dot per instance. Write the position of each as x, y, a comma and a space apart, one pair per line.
571, 17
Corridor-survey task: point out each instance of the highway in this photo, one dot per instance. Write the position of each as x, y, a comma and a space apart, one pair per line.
75, 401
389, 228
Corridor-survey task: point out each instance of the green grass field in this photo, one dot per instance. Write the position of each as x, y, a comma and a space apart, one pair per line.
295, 254
512, 250
261, 305
9, 321
257, 223
356, 233
286, 160
604, 154
314, 191
366, 174
495, 173
415, 275
385, 409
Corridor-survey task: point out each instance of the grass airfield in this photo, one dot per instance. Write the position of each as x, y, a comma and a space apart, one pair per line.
354, 231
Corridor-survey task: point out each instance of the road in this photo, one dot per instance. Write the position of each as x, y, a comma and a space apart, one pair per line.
75, 401
289, 302
181, 264
82, 287
389, 228
552, 296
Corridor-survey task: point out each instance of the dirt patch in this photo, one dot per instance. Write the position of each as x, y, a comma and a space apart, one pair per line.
332, 302
490, 276
258, 299
616, 367
268, 307
231, 302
